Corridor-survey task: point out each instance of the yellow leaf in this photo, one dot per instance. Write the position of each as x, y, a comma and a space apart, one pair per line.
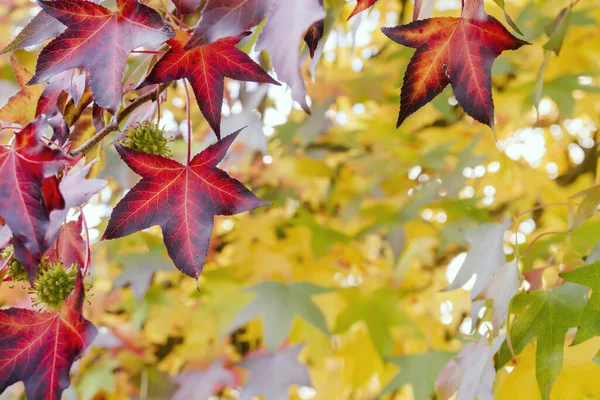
578, 379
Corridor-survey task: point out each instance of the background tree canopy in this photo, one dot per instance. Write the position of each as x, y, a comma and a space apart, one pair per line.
435, 259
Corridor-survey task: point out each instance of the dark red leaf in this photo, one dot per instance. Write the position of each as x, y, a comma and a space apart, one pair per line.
225, 18
459, 51
26, 197
100, 41
206, 68
182, 200
314, 35
186, 6
70, 247
39, 348
361, 6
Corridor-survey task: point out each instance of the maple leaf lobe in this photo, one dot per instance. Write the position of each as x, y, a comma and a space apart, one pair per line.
456, 51
361, 5
39, 348
206, 68
100, 41
182, 200
29, 192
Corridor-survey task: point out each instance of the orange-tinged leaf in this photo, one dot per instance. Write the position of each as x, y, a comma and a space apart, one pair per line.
361, 6
456, 51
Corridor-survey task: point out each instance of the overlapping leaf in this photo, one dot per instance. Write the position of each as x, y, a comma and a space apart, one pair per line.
589, 325
419, 370
21, 108
206, 68
286, 26
39, 348
100, 41
29, 192
182, 200
225, 18
547, 316
272, 374
280, 303
201, 384
456, 51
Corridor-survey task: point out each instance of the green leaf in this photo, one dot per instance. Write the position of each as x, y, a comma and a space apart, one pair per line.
587, 207
100, 377
418, 370
557, 30
546, 316
323, 238
379, 312
280, 303
507, 17
589, 325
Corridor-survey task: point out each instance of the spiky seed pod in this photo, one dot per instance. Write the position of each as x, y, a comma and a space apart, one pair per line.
16, 270
54, 283
149, 138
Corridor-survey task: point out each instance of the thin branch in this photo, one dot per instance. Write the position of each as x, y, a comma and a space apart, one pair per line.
114, 124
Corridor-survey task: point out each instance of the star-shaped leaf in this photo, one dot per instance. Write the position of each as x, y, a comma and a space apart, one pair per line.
100, 41
280, 303
39, 348
182, 200
201, 384
546, 316
206, 68
286, 25
589, 325
457, 51
272, 374
29, 192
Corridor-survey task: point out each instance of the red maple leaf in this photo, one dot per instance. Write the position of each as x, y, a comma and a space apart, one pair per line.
314, 34
70, 247
459, 51
39, 348
206, 68
29, 191
100, 41
361, 6
182, 200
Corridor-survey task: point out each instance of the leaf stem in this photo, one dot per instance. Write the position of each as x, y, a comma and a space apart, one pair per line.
114, 124
189, 122
541, 207
541, 235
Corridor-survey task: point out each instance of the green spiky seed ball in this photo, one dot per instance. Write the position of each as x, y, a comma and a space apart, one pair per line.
16, 270
54, 283
149, 138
